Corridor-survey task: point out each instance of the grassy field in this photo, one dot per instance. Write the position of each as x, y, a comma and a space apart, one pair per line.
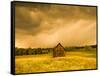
74, 60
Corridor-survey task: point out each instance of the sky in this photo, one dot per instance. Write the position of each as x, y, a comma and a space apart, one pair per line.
45, 25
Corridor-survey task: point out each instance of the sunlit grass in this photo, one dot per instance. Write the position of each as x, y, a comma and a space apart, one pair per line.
46, 63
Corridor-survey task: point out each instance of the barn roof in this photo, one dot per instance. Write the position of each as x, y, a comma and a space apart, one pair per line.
59, 45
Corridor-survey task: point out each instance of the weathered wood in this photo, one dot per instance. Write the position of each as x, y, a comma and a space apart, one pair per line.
58, 51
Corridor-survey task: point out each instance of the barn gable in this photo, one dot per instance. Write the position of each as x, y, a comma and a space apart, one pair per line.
58, 51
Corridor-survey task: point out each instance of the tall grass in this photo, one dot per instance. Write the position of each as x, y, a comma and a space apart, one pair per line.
46, 63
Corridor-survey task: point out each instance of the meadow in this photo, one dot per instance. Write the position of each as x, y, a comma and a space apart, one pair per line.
80, 59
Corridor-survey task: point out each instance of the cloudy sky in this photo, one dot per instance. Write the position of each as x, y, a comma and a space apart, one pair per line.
46, 25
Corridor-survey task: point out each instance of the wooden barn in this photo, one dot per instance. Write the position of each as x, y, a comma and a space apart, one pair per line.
58, 51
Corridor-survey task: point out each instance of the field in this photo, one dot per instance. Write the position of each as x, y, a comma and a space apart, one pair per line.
74, 60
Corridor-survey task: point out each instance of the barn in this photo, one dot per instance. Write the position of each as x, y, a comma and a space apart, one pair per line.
58, 51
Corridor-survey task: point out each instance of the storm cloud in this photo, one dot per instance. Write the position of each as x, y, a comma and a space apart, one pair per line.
46, 25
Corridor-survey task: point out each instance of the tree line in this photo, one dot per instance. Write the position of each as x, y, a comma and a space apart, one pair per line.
30, 51
35, 51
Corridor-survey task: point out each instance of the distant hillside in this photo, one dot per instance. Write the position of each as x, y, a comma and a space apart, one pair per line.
93, 46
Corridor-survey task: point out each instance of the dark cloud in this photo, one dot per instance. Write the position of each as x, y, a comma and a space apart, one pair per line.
24, 20
48, 19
